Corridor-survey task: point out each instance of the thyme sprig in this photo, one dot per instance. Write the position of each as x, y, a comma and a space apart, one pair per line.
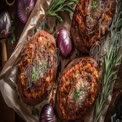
58, 6
111, 61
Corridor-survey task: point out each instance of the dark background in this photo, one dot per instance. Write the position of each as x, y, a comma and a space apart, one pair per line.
6, 113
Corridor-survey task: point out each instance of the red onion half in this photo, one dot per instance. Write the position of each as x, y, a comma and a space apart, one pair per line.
64, 42
47, 114
24, 9
5, 24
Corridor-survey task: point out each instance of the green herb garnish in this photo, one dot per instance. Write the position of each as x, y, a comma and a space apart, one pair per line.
55, 9
13, 33
111, 61
35, 112
77, 94
58, 6
34, 74
44, 64
95, 4
54, 86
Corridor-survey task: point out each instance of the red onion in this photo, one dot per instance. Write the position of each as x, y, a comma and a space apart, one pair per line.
24, 9
5, 24
47, 114
64, 42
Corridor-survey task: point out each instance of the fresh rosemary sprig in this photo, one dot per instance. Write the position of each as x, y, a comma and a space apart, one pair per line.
111, 61
58, 6
55, 9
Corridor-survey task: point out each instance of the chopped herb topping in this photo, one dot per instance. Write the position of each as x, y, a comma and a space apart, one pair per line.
44, 64
77, 94
34, 74
95, 4
54, 86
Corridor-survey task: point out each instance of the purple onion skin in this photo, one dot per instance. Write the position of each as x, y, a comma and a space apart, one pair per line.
47, 114
5, 24
64, 42
24, 9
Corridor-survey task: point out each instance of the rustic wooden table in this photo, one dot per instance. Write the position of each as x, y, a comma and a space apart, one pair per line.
7, 114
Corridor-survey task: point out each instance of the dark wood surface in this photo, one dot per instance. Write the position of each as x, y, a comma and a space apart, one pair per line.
7, 114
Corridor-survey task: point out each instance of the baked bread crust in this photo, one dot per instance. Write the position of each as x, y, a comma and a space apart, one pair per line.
91, 21
78, 87
37, 68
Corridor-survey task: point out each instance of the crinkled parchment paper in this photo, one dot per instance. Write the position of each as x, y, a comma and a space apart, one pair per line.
8, 76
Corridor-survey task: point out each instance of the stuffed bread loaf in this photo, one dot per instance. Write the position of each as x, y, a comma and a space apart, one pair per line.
77, 89
37, 68
91, 21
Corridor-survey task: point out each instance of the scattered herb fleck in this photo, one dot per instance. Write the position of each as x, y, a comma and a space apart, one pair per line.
54, 86
77, 94
44, 64
34, 74
95, 4
35, 112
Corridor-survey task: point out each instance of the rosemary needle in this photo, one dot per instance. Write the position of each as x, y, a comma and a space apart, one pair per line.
57, 6
111, 61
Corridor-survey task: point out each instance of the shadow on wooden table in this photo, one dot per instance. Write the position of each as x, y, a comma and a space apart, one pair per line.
7, 114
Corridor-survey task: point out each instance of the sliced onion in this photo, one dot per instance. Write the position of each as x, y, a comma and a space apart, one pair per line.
24, 9
5, 24
64, 42
10, 2
47, 114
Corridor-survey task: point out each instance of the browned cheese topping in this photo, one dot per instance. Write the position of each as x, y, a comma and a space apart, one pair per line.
37, 67
77, 88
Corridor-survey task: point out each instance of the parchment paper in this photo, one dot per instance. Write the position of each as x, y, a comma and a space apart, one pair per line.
8, 76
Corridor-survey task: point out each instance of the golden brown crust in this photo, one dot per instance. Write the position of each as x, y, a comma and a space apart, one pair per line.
90, 22
37, 68
78, 87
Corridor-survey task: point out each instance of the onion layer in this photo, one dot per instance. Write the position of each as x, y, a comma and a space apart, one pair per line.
47, 114
24, 9
5, 24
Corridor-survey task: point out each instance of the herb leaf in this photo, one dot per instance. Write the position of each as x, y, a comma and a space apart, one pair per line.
34, 74
77, 94
55, 9
95, 4
57, 6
